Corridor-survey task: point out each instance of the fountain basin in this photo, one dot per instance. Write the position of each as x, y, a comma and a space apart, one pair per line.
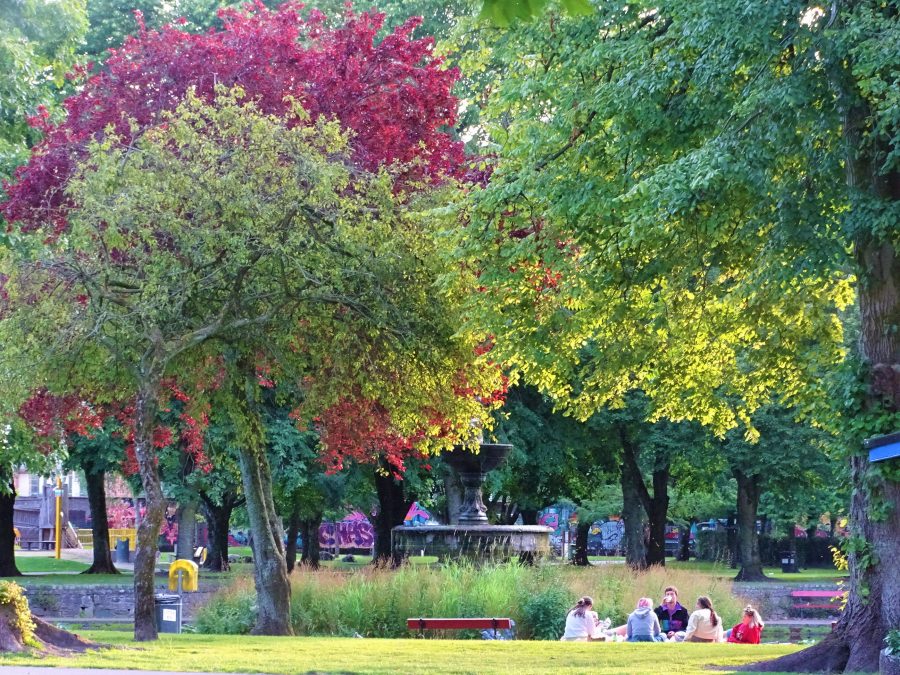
477, 543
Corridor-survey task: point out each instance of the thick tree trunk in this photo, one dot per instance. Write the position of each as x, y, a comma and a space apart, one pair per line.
273, 588
7, 535
218, 516
290, 551
748, 493
96, 491
393, 505
311, 546
580, 557
146, 405
873, 605
187, 530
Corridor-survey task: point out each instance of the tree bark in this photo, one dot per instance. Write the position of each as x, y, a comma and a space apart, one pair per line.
273, 588
146, 406
290, 552
684, 541
311, 545
873, 605
393, 505
187, 530
96, 492
218, 516
657, 514
749, 489
633, 521
7, 535
580, 557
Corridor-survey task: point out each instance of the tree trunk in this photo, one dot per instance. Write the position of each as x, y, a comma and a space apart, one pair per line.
393, 505
580, 556
290, 551
311, 545
749, 490
684, 541
96, 492
145, 410
656, 506
273, 588
633, 521
873, 605
218, 516
187, 530
657, 514
7, 535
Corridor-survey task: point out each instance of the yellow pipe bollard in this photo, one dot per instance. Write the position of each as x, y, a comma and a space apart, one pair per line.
58, 492
191, 573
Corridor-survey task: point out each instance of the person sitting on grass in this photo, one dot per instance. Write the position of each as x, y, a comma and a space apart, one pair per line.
749, 630
643, 624
704, 625
673, 618
582, 622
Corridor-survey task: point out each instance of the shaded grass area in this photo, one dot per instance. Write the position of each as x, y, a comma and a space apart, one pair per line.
809, 575
293, 656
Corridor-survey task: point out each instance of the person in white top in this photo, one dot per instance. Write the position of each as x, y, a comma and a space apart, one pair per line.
582, 622
704, 625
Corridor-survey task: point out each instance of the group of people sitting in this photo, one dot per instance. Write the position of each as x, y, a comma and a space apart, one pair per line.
669, 622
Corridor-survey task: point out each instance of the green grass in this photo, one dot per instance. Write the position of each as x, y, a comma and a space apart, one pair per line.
815, 574
48, 564
293, 656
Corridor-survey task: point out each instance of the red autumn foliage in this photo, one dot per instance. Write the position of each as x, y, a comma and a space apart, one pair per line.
360, 429
393, 95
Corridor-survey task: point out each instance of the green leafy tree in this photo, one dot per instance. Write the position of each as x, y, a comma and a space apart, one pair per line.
38, 42
658, 193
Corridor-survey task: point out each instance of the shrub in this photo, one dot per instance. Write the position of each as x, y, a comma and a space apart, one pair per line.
232, 610
377, 603
14, 605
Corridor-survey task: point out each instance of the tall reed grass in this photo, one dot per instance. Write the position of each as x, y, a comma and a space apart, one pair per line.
376, 603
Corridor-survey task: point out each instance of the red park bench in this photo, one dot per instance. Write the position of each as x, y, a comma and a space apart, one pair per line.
806, 600
494, 624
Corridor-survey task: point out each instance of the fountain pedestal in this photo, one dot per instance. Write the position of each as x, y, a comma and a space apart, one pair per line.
473, 538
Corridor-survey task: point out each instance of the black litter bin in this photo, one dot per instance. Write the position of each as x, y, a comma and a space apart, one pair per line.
122, 550
168, 613
788, 562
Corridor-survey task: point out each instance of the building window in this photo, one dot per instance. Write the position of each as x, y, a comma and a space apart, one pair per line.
34, 486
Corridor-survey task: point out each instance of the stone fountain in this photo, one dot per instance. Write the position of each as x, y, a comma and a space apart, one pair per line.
473, 538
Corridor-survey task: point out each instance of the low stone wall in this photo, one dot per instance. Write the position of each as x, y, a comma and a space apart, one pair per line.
103, 601
774, 601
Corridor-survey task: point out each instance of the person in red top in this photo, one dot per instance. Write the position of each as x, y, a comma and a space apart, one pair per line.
748, 631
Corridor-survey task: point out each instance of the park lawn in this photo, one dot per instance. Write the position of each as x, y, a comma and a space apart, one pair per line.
293, 656
809, 575
48, 563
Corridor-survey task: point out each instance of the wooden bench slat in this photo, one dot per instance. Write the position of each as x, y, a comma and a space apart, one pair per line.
476, 623
816, 594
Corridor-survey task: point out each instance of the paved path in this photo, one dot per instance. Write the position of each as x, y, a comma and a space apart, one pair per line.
41, 670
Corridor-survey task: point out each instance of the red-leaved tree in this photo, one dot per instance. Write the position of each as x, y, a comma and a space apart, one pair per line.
393, 97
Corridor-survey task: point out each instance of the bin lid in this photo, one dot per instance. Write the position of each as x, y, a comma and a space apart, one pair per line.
167, 599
